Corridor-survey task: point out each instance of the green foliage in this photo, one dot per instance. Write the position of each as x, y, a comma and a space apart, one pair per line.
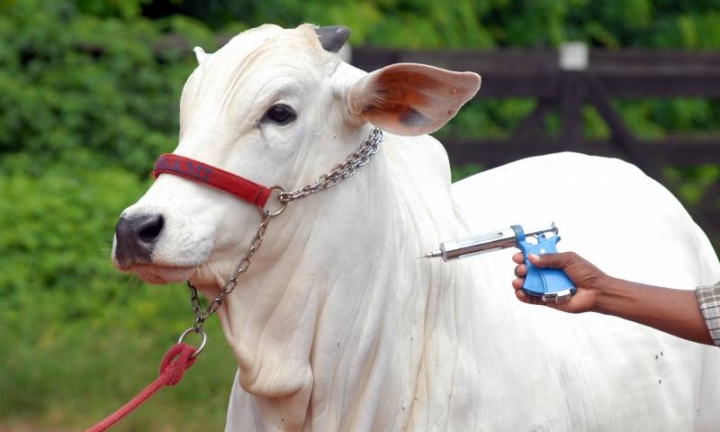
694, 181
459, 172
480, 23
113, 8
71, 81
103, 78
79, 339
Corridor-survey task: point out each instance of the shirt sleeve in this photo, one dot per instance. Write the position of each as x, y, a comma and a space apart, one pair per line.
709, 301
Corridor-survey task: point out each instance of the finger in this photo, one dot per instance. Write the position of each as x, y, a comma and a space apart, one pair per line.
521, 271
518, 283
521, 295
518, 258
552, 260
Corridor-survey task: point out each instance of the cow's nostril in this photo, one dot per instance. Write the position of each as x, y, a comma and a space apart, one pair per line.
136, 238
150, 228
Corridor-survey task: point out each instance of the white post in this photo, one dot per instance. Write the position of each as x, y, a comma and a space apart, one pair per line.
574, 56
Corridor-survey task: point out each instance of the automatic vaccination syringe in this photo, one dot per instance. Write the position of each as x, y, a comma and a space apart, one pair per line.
545, 283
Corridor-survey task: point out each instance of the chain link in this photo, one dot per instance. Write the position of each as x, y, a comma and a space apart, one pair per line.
202, 315
339, 173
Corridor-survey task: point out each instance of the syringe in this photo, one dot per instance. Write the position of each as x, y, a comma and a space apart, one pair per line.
549, 284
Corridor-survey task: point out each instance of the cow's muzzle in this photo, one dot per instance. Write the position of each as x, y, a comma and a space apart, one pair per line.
136, 238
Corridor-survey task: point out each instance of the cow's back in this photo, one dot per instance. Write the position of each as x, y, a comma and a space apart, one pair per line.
605, 372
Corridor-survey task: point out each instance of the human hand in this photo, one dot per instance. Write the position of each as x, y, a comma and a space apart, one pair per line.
588, 279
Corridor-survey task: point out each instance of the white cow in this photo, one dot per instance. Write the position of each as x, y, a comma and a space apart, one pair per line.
338, 326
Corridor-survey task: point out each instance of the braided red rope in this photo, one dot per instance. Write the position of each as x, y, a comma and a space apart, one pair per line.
177, 360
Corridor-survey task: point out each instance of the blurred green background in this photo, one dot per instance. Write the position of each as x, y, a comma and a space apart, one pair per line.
88, 98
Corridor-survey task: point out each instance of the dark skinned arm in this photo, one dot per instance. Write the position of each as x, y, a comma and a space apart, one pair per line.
669, 310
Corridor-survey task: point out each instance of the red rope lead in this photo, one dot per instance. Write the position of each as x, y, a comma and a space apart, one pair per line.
178, 359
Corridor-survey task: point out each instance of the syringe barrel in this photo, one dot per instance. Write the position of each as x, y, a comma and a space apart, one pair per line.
480, 243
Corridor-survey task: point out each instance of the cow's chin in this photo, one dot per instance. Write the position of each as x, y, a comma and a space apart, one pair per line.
161, 275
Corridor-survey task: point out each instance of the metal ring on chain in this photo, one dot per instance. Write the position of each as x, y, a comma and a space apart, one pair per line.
283, 204
202, 344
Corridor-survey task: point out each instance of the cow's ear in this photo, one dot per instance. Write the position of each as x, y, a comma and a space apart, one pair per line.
411, 99
200, 55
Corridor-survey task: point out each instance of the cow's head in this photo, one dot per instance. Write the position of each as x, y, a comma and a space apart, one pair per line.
278, 107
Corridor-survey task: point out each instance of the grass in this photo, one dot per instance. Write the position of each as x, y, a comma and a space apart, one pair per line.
78, 339
67, 376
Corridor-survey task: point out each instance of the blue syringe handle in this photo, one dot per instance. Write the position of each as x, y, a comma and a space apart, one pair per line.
546, 283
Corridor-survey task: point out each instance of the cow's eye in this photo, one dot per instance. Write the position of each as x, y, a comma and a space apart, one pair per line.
280, 114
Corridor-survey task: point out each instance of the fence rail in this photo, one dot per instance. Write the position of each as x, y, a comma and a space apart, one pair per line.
601, 77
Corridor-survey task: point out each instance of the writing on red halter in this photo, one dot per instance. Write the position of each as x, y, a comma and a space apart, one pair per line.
201, 172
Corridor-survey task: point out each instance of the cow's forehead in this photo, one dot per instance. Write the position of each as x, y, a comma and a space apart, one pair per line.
271, 38
256, 57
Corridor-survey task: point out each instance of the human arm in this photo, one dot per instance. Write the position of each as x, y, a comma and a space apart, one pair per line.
669, 310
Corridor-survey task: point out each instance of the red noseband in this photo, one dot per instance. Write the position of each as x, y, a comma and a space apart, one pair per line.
201, 172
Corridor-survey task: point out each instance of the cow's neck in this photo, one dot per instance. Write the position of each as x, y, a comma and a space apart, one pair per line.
338, 298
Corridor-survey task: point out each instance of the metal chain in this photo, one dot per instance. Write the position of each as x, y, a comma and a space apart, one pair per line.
338, 173
202, 315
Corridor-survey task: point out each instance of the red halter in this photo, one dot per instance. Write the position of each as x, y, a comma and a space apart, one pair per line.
201, 172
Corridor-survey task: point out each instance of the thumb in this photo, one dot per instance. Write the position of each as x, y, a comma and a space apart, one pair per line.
551, 260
